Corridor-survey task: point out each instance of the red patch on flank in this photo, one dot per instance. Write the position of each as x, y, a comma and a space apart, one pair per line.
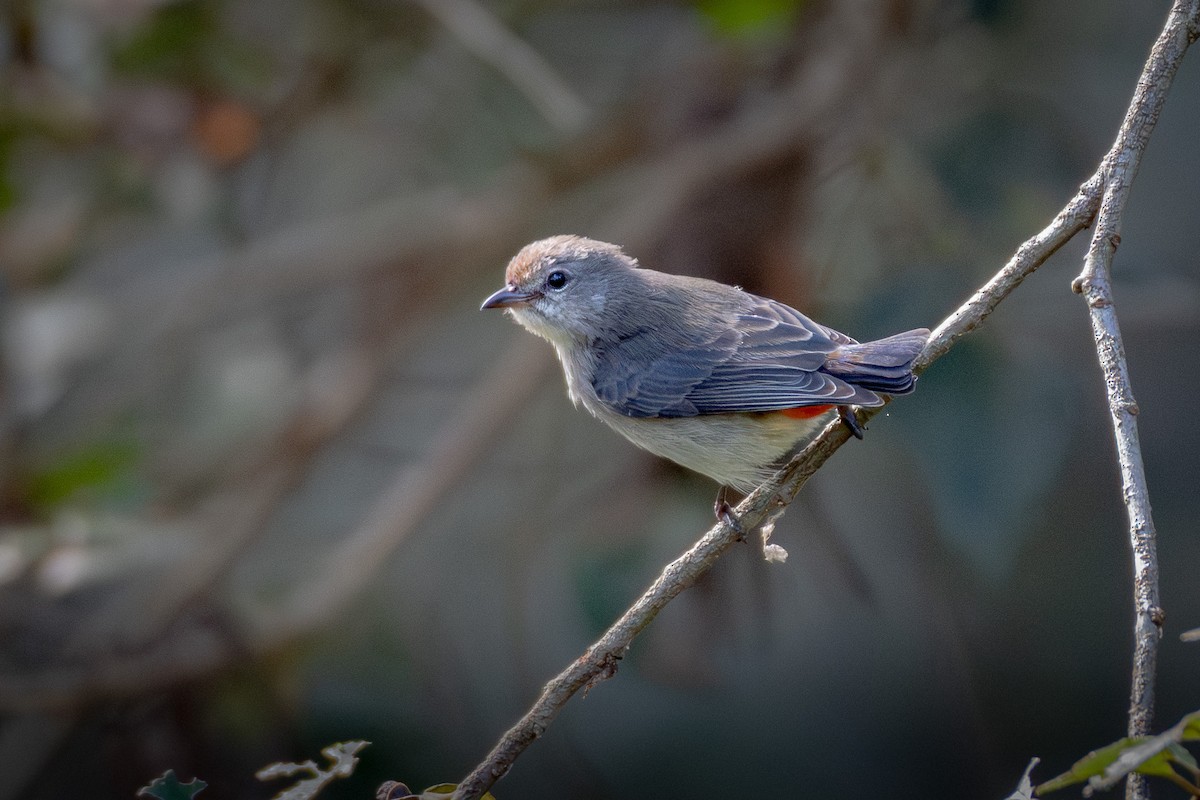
805, 412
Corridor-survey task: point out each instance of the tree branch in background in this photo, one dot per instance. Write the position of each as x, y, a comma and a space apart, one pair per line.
183, 652
1105, 192
484, 35
1095, 284
413, 494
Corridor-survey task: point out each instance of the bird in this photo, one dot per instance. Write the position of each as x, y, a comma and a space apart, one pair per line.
714, 378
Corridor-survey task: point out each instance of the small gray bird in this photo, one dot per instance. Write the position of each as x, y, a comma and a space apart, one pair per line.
716, 379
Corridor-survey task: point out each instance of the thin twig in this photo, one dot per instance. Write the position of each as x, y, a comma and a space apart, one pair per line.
769, 500
486, 37
1095, 284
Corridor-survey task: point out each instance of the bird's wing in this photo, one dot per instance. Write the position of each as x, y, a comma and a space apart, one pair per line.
768, 359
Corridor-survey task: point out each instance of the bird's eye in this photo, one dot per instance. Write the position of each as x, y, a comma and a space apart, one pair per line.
556, 280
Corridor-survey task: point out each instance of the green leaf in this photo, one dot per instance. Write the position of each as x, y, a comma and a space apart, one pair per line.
168, 787
1190, 727
1094, 763
1157, 764
1181, 756
394, 790
445, 789
1146, 755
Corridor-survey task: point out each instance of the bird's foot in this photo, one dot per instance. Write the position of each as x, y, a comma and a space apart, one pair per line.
846, 413
724, 512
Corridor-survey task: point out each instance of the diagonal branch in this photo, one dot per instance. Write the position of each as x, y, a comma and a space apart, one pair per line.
766, 502
1110, 186
600, 660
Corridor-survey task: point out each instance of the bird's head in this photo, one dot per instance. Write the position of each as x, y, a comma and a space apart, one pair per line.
563, 288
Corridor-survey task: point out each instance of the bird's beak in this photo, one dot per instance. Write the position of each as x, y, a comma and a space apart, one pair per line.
508, 296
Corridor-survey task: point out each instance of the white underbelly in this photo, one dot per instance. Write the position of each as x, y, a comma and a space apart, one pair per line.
740, 450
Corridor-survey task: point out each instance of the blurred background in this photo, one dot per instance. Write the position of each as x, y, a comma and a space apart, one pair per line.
269, 479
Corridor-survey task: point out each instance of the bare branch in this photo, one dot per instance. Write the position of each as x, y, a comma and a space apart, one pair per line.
769, 500
1095, 284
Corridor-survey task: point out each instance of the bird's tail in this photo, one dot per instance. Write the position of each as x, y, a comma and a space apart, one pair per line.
884, 365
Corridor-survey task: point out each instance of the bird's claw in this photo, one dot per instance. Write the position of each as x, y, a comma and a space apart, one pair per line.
724, 512
846, 413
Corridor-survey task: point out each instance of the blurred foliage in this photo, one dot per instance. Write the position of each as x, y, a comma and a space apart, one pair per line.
86, 476
982, 419
8, 190
605, 582
184, 42
751, 17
